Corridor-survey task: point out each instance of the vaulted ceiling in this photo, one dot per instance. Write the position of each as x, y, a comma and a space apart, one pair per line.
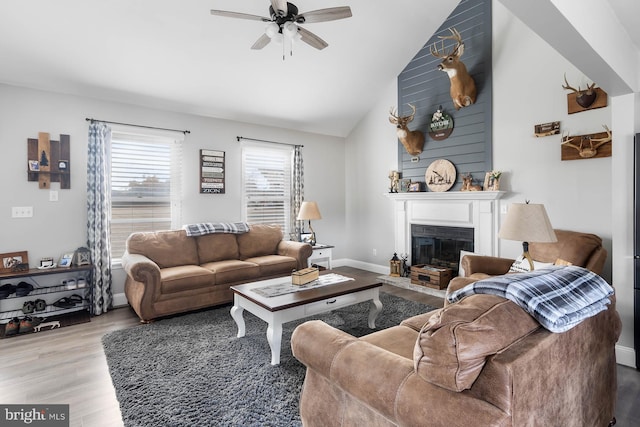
175, 55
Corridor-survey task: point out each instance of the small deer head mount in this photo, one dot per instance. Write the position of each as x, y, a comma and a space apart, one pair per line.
584, 97
413, 140
463, 87
587, 146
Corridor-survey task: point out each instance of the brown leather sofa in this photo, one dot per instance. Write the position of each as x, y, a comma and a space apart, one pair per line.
169, 272
480, 362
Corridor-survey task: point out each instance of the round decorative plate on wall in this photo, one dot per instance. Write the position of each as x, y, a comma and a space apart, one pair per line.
440, 175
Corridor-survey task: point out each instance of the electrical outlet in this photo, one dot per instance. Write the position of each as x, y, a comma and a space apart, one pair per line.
503, 209
375, 252
22, 211
53, 196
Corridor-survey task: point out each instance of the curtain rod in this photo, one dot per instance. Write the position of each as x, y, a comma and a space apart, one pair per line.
138, 126
239, 138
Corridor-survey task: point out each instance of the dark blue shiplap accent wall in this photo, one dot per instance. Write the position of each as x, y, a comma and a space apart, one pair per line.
426, 87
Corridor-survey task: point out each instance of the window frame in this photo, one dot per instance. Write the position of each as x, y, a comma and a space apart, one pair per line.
287, 152
175, 144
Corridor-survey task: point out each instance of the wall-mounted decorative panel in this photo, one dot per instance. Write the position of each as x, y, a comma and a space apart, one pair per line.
212, 171
423, 85
48, 161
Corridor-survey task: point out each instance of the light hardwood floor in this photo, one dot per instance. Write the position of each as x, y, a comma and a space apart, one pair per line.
68, 366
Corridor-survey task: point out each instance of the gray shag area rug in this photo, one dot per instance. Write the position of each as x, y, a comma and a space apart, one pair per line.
191, 370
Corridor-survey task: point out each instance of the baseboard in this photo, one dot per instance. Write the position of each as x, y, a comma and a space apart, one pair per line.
120, 300
347, 262
626, 356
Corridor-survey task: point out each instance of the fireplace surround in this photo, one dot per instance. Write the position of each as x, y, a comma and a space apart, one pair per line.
476, 211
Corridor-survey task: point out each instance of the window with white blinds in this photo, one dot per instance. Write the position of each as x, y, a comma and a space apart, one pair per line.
146, 175
267, 182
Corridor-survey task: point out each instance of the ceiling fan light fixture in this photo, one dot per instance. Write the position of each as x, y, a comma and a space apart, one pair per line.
290, 29
272, 29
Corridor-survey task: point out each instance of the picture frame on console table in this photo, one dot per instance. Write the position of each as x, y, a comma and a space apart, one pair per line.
14, 261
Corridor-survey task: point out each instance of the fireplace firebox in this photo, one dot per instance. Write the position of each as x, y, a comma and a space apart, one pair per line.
440, 245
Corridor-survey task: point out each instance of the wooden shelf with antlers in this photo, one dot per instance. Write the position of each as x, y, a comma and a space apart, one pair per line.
591, 146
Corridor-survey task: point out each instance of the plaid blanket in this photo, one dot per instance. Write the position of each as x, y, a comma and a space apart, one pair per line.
203, 228
558, 297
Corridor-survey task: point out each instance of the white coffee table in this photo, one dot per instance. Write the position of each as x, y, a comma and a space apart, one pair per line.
280, 309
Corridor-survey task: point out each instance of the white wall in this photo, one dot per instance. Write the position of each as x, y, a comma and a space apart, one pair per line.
371, 152
58, 227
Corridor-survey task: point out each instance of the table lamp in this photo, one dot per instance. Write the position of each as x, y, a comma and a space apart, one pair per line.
527, 222
309, 211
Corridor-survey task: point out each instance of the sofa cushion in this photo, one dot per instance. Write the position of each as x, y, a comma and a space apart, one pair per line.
454, 344
217, 247
185, 278
165, 248
274, 264
261, 240
234, 270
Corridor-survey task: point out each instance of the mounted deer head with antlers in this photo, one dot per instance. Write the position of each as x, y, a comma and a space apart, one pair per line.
590, 150
413, 140
463, 87
585, 97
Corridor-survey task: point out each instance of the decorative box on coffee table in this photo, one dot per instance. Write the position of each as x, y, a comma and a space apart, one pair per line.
430, 276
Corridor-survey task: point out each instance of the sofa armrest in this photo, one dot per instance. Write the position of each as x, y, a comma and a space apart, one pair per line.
493, 266
140, 268
142, 285
348, 363
298, 250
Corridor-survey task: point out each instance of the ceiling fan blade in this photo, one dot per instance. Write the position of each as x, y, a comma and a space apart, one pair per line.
323, 15
311, 39
261, 42
280, 7
239, 15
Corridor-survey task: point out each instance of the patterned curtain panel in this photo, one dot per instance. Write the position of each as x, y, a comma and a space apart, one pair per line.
98, 216
298, 190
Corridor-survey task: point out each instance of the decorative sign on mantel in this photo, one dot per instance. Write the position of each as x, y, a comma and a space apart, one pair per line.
211, 172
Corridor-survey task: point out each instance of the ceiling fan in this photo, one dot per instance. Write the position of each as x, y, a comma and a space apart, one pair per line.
284, 21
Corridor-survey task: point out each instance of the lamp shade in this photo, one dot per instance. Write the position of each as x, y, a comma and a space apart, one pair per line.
309, 210
527, 222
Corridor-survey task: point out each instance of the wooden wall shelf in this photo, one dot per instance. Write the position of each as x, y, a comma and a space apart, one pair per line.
57, 153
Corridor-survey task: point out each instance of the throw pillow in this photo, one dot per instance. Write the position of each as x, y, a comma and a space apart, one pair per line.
456, 341
521, 265
560, 261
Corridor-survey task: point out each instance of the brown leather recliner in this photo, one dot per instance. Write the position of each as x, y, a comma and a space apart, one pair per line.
581, 249
574, 247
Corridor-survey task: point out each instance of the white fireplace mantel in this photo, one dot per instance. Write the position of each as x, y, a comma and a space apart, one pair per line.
473, 209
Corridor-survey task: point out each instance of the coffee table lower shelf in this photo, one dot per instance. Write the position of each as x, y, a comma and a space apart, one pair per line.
277, 316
